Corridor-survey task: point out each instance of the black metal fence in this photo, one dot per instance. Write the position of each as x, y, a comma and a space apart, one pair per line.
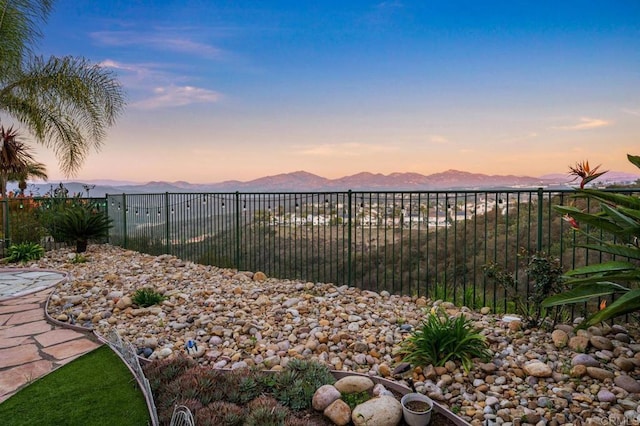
432, 244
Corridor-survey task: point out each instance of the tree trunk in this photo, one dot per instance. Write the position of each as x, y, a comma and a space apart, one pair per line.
81, 245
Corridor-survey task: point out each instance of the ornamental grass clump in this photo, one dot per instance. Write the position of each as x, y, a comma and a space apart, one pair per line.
24, 252
146, 297
442, 338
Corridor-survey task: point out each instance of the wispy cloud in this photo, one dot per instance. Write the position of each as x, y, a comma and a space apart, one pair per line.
631, 112
351, 149
161, 42
586, 123
173, 96
439, 139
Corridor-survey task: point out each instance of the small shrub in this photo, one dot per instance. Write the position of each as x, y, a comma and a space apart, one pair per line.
443, 338
25, 252
145, 297
545, 275
355, 399
78, 258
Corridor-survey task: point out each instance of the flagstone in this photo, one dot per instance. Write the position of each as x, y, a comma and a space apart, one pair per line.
56, 336
15, 341
26, 316
7, 309
29, 328
70, 349
18, 355
17, 377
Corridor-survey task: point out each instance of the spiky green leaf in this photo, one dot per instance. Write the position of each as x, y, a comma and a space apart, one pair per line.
583, 293
626, 304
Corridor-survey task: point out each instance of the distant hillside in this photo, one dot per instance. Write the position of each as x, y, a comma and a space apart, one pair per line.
301, 181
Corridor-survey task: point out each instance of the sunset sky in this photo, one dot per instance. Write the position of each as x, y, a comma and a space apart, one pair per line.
221, 90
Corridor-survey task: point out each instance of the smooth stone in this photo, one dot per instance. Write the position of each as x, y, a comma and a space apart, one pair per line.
601, 342
605, 395
585, 359
379, 411
354, 384
338, 412
324, 396
599, 373
560, 338
627, 383
538, 369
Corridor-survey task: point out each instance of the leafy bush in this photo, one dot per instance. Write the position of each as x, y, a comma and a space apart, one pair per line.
147, 297
545, 275
614, 231
442, 338
25, 252
78, 224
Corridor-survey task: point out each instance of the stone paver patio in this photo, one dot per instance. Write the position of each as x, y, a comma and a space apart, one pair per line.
30, 346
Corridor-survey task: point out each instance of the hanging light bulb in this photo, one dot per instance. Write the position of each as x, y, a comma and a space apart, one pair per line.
137, 214
147, 212
223, 204
158, 212
204, 199
188, 205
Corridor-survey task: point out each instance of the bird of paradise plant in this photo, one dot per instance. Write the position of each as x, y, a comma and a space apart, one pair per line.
619, 218
585, 173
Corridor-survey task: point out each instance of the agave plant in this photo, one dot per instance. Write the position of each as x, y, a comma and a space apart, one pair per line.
619, 217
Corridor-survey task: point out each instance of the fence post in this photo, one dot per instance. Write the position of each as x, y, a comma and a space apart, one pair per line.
237, 230
349, 249
540, 207
5, 212
124, 220
166, 219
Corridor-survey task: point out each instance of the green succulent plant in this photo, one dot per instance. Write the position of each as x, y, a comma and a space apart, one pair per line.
443, 338
145, 297
24, 252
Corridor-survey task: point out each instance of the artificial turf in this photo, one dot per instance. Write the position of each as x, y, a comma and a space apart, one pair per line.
95, 389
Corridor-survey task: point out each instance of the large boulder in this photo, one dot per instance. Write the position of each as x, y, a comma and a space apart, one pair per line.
354, 384
380, 411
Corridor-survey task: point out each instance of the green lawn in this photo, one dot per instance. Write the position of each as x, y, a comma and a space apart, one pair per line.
96, 389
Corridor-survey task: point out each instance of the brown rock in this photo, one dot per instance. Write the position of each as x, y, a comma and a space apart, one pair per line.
599, 373
560, 338
627, 383
338, 412
578, 370
624, 364
579, 343
537, 369
260, 276
601, 342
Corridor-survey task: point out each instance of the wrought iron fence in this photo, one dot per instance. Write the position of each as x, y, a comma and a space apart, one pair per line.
432, 244
419, 243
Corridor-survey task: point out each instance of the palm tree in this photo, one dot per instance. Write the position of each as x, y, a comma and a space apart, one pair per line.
65, 103
15, 158
32, 170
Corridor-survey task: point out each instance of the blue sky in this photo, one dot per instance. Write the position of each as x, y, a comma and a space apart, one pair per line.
222, 90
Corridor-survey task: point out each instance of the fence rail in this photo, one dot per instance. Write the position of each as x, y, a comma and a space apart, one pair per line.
432, 244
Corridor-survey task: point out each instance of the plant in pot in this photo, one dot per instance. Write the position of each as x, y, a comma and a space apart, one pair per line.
416, 409
80, 223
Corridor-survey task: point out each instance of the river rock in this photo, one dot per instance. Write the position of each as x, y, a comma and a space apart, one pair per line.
338, 412
600, 342
560, 338
599, 373
354, 384
324, 396
538, 369
584, 359
380, 411
627, 383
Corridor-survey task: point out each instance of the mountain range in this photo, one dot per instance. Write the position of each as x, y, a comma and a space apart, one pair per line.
302, 181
